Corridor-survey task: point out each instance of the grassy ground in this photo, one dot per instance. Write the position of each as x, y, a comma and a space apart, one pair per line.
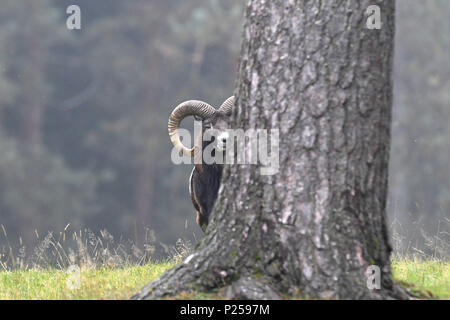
426, 276
429, 277
103, 283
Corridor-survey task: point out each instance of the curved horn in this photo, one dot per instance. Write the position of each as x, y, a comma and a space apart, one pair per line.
183, 110
227, 107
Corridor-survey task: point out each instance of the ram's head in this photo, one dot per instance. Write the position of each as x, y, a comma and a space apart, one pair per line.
212, 118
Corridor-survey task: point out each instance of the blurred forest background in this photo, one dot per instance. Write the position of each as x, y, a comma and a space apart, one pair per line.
83, 115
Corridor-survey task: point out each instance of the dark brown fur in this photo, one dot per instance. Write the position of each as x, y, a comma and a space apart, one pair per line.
205, 178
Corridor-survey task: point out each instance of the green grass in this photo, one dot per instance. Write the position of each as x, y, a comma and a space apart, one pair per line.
428, 278
103, 283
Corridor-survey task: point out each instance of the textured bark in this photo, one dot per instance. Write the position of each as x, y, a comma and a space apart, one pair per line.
312, 70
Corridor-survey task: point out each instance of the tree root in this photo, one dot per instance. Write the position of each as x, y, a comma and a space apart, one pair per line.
250, 288
184, 278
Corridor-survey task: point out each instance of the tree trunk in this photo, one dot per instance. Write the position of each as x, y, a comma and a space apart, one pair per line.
314, 71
